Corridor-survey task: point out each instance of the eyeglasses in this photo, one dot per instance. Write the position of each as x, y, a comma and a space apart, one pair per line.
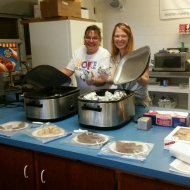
87, 38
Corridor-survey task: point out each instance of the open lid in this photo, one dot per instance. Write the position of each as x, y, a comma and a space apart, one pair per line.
132, 66
44, 76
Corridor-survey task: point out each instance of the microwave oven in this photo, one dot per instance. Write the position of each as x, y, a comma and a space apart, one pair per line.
171, 61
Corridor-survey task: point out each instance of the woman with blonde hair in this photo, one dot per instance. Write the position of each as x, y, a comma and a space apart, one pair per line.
122, 43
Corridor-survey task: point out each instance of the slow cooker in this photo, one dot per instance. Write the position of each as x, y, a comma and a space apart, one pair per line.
106, 114
51, 103
53, 98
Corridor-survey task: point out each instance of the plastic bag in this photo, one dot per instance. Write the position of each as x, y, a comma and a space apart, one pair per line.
46, 132
13, 127
126, 150
86, 139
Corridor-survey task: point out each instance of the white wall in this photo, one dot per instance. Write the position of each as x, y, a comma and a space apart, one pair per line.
143, 17
94, 9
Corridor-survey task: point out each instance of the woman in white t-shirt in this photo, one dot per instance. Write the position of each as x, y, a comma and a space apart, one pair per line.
87, 59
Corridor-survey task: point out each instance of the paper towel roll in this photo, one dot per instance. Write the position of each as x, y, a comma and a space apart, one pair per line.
181, 151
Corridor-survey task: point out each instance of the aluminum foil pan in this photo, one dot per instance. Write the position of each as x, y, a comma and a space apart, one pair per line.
117, 95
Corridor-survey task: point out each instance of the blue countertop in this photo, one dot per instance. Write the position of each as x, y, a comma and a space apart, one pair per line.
156, 165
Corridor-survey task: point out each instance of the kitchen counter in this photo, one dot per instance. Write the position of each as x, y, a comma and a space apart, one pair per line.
155, 166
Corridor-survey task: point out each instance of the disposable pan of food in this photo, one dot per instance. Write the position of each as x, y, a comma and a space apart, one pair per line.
46, 132
124, 149
86, 139
13, 127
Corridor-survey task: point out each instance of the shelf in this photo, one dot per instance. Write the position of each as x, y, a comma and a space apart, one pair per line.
180, 107
55, 19
175, 78
185, 33
185, 74
170, 88
11, 41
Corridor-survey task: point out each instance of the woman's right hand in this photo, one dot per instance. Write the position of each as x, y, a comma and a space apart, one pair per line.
108, 75
105, 77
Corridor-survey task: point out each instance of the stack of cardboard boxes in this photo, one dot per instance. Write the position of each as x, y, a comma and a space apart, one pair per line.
54, 8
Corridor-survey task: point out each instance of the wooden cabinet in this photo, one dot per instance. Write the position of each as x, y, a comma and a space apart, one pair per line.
29, 170
60, 173
133, 182
17, 169
24, 169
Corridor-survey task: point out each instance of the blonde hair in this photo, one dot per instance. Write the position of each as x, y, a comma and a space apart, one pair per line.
130, 45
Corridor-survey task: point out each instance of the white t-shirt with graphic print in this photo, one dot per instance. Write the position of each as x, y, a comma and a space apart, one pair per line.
81, 61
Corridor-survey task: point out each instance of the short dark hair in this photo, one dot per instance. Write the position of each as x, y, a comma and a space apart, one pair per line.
95, 28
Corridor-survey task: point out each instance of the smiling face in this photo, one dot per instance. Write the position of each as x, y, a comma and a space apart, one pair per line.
120, 39
92, 41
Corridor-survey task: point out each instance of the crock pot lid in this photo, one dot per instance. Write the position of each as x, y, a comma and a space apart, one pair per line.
44, 76
132, 65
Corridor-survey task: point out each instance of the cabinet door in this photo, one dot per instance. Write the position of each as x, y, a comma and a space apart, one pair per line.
132, 182
17, 169
64, 174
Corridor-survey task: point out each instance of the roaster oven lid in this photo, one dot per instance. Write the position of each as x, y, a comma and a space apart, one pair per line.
44, 76
52, 92
132, 66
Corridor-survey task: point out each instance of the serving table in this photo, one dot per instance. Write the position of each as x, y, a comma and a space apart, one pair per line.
27, 163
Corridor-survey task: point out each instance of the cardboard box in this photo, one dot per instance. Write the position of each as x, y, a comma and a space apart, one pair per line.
168, 118
181, 134
80, 1
84, 13
53, 8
